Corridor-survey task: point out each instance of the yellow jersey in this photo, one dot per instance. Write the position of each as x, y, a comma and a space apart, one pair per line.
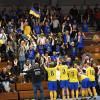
73, 75
90, 72
27, 30
82, 77
63, 72
51, 73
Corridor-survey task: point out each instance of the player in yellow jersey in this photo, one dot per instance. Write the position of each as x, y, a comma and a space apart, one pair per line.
52, 81
64, 83
90, 72
84, 80
73, 81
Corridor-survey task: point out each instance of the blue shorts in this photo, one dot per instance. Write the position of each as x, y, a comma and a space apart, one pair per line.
92, 84
52, 85
73, 85
85, 83
64, 84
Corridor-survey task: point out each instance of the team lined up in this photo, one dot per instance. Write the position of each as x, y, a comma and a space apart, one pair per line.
70, 78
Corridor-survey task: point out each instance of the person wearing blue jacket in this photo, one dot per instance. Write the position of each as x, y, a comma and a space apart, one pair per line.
54, 56
31, 55
37, 29
48, 47
80, 42
40, 49
47, 29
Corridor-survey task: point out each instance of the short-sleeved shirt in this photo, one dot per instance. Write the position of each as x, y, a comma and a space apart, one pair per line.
90, 72
73, 73
63, 72
51, 73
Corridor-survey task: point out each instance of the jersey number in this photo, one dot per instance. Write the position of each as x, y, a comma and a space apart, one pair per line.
63, 71
72, 73
52, 73
92, 72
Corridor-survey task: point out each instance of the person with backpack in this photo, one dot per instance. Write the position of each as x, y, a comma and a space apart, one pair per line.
37, 76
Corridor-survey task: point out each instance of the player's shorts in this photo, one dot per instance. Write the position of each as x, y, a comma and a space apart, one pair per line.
92, 84
85, 83
64, 84
52, 85
73, 85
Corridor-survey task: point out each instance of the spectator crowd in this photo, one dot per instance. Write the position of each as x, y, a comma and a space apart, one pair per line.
26, 40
